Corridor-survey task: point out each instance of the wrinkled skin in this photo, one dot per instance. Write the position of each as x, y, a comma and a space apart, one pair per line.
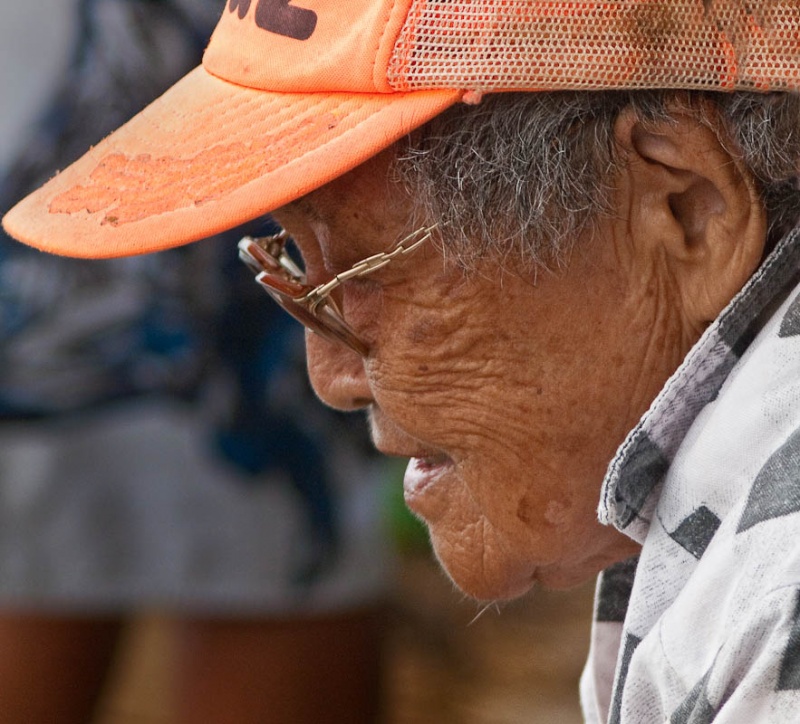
512, 394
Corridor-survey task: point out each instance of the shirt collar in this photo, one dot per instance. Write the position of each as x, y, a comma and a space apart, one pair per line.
631, 487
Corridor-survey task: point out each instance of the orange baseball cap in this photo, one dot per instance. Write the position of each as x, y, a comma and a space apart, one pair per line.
293, 93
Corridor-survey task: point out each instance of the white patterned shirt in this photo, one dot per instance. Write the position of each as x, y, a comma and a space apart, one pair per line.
705, 627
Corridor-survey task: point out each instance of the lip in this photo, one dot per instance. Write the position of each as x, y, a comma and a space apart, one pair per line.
424, 485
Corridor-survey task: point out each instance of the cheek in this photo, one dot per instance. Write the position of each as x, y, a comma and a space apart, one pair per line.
439, 371
440, 405
525, 500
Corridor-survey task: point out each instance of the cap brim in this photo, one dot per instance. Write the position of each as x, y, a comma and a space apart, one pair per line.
207, 156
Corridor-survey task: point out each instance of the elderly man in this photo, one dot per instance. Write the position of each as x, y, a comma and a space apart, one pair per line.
578, 290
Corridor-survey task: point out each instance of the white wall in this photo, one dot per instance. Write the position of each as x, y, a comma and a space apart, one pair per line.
35, 39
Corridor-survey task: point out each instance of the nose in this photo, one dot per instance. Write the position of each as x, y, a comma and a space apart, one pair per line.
337, 374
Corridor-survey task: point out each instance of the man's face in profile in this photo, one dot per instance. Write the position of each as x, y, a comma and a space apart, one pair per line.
509, 395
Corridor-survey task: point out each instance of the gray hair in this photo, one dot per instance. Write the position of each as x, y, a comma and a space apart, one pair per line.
527, 174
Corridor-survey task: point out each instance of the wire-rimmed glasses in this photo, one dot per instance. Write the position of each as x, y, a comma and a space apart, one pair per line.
314, 307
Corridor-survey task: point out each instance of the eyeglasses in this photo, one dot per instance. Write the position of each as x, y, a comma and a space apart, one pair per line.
314, 307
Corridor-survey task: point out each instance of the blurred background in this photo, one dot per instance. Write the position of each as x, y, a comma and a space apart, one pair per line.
420, 652
29, 73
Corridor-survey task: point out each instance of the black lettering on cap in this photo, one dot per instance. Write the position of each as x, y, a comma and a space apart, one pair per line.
241, 5
283, 18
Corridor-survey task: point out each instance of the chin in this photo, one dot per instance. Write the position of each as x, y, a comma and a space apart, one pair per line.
486, 577
497, 581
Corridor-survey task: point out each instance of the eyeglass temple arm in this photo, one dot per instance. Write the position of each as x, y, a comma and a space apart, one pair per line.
367, 266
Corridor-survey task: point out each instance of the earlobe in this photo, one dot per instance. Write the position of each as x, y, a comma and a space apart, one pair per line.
697, 204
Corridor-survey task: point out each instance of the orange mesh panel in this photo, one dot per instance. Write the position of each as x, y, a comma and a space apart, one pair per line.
499, 45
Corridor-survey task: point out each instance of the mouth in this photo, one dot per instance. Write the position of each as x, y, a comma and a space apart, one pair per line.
424, 485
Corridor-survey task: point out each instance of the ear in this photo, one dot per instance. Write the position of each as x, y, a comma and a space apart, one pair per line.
694, 207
